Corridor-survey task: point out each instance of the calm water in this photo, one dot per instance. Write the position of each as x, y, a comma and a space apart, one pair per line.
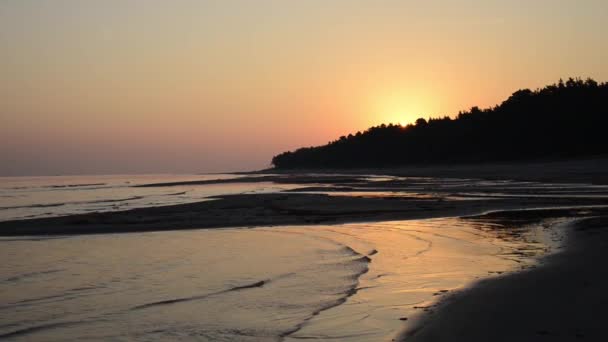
31, 197
350, 282
346, 282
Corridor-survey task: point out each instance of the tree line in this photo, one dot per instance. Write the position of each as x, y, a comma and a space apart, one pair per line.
565, 119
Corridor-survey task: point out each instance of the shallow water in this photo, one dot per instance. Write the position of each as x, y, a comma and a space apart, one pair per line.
33, 197
350, 282
36, 197
347, 282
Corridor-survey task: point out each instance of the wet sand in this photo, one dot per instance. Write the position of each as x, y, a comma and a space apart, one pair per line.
342, 198
564, 299
254, 210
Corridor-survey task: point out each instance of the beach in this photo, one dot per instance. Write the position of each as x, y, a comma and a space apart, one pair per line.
352, 256
339, 196
280, 171
564, 299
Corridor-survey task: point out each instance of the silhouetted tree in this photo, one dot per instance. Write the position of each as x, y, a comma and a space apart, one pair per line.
421, 122
560, 120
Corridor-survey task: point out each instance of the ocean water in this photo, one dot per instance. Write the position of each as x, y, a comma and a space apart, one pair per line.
34, 197
348, 282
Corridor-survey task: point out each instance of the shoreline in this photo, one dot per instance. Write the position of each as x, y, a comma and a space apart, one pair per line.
562, 299
491, 309
321, 198
255, 210
592, 170
437, 250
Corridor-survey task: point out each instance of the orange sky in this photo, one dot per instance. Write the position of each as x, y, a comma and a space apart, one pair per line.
195, 86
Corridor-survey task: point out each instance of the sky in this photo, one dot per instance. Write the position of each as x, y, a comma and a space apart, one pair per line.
180, 86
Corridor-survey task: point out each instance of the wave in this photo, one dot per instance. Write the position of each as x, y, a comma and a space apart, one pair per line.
38, 328
34, 238
58, 186
112, 200
348, 293
31, 300
30, 274
355, 257
71, 203
176, 194
34, 206
72, 185
66, 295
187, 299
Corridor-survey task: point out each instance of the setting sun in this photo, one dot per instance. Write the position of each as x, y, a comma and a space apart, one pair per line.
269, 170
399, 107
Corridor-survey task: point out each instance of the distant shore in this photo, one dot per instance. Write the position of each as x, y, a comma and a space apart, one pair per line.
592, 170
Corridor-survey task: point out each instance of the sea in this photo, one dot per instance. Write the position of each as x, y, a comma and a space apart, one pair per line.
343, 282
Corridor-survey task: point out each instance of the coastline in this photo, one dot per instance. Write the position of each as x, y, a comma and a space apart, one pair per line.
330, 198
256, 210
408, 264
593, 170
489, 310
563, 299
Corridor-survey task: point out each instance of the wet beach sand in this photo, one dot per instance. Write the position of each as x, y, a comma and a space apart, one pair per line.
279, 209
564, 299
341, 197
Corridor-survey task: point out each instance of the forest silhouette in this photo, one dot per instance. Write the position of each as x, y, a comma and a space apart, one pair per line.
563, 120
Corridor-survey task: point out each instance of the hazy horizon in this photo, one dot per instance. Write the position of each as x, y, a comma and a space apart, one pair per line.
115, 87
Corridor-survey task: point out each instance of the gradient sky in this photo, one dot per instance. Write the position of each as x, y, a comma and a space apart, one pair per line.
193, 86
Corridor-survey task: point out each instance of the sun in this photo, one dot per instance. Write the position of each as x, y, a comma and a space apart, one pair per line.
398, 110
400, 103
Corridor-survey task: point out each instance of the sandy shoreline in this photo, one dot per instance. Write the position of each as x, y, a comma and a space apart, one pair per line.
254, 210
561, 300
341, 198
